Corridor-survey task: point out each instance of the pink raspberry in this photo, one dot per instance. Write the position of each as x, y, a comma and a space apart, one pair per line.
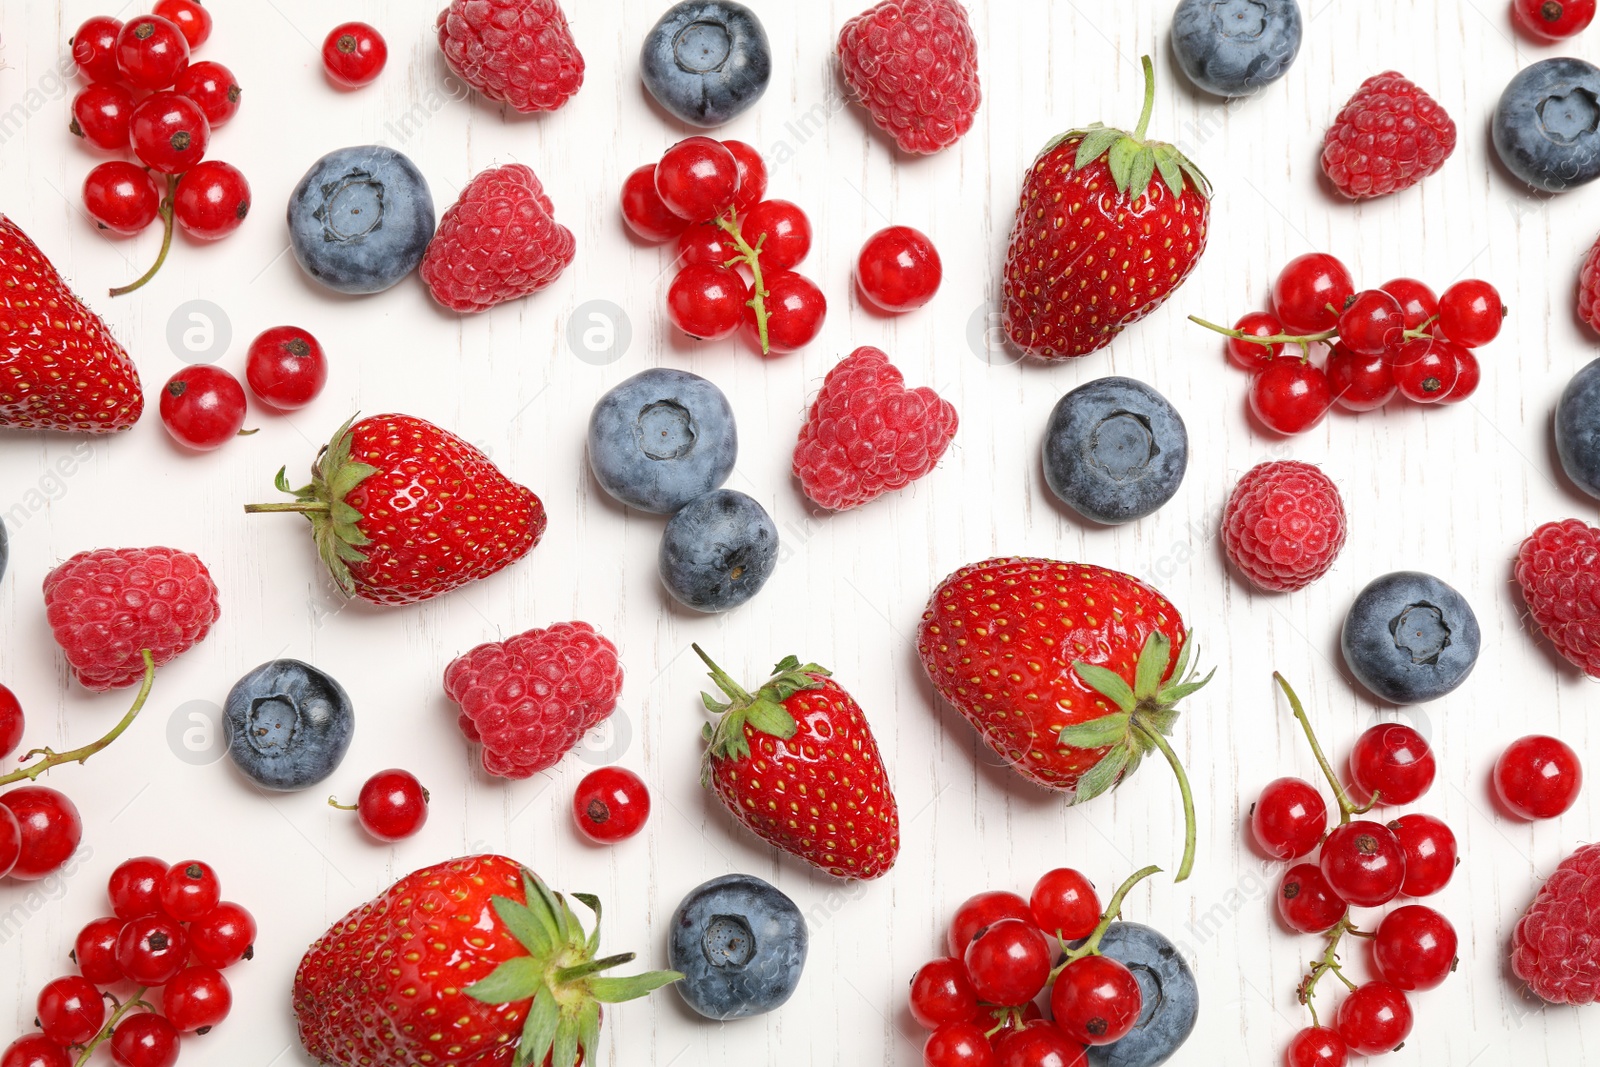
107, 606
1558, 569
1284, 525
530, 700
517, 52
868, 434
499, 241
1555, 947
914, 65
1589, 288
1389, 137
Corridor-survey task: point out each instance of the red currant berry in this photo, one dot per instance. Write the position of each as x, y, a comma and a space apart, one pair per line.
1359, 383
354, 54
196, 1000
958, 1045
94, 49
1470, 313
1375, 1018
151, 52
100, 115
1290, 396
707, 302
35, 1050
1065, 905
213, 87
10, 841
611, 805
224, 936
645, 212
1363, 863
135, 887
189, 890
12, 722
286, 368
392, 806
1096, 1000
1010, 1021
1306, 902
1289, 819
1553, 20
1316, 1046
981, 912
1249, 355
70, 1010
1009, 962
796, 309
51, 830
95, 951
1414, 948
1310, 293
780, 230
1429, 378
1417, 302
898, 270
752, 175
121, 197
212, 200
1037, 1043
144, 1040
1372, 323
708, 243
1468, 377
202, 407
1536, 777
1393, 760
941, 994
169, 132
188, 16
151, 950
697, 179
1430, 848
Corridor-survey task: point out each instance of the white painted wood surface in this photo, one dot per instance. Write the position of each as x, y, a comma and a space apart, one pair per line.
1451, 491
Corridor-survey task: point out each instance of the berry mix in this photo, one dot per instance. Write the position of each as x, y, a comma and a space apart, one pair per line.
1073, 674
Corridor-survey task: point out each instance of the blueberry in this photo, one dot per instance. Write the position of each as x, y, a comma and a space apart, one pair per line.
5, 549
288, 725
1236, 47
1578, 429
718, 551
1171, 998
661, 439
1547, 124
1115, 450
360, 219
1410, 638
740, 944
706, 62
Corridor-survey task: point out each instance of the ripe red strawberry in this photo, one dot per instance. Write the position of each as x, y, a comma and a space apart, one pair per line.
1555, 947
517, 52
1066, 670
797, 764
500, 241
1284, 525
913, 64
470, 963
1558, 569
403, 511
1109, 226
60, 368
1388, 137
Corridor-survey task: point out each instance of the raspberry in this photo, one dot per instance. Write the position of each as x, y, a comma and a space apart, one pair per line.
868, 434
1284, 525
1558, 569
517, 52
530, 699
914, 65
1555, 947
107, 606
1589, 288
498, 242
1389, 137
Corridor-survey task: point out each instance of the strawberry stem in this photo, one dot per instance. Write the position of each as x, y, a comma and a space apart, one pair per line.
750, 257
1149, 99
300, 507
1347, 807
49, 758
724, 680
1189, 832
165, 211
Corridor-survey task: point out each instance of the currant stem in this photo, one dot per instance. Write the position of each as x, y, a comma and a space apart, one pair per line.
1328, 962
333, 802
49, 759
1347, 807
751, 257
1091, 946
1190, 834
165, 211
136, 1001
1149, 98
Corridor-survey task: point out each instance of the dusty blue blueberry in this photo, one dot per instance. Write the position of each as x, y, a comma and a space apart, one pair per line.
5, 549
360, 219
1410, 638
718, 551
1547, 124
706, 61
1236, 47
661, 439
288, 725
1171, 998
1115, 450
1578, 429
740, 945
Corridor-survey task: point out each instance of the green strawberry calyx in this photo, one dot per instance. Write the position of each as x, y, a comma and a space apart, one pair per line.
560, 975
1146, 713
334, 524
763, 711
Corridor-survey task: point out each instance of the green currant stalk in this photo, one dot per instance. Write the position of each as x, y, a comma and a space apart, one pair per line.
111, 1024
165, 211
1328, 963
48, 758
750, 257
1091, 945
1306, 340
1347, 807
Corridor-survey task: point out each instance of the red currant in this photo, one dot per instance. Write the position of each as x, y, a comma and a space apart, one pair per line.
1536, 777
1289, 819
1414, 948
898, 270
1470, 313
144, 1040
958, 1045
941, 994
1430, 848
708, 243
10, 841
1316, 1046
70, 1010
980, 912
1009, 962
645, 212
1249, 355
1363, 863
611, 805
94, 49
188, 16
697, 179
354, 54
151, 950
1553, 20
35, 1050
1306, 902
1096, 1000
135, 887
780, 230
213, 87
95, 951
202, 407
286, 368
707, 302
1468, 377
196, 1000
1393, 760
51, 830
1429, 378
1372, 323
1290, 396
796, 309
100, 115
1038, 1044
1375, 1018
752, 175
1417, 302
1065, 905
223, 936
1310, 293
121, 197
151, 52
189, 890
212, 200
1011, 1022
169, 132
392, 806
1359, 383
12, 722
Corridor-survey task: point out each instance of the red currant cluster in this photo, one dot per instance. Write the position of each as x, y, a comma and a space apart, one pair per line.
144, 94
169, 929
203, 406
1363, 863
738, 251
981, 1000
1397, 339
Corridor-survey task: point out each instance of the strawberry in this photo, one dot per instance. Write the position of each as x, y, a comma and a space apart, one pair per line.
797, 764
1067, 671
60, 368
1109, 226
470, 963
403, 511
